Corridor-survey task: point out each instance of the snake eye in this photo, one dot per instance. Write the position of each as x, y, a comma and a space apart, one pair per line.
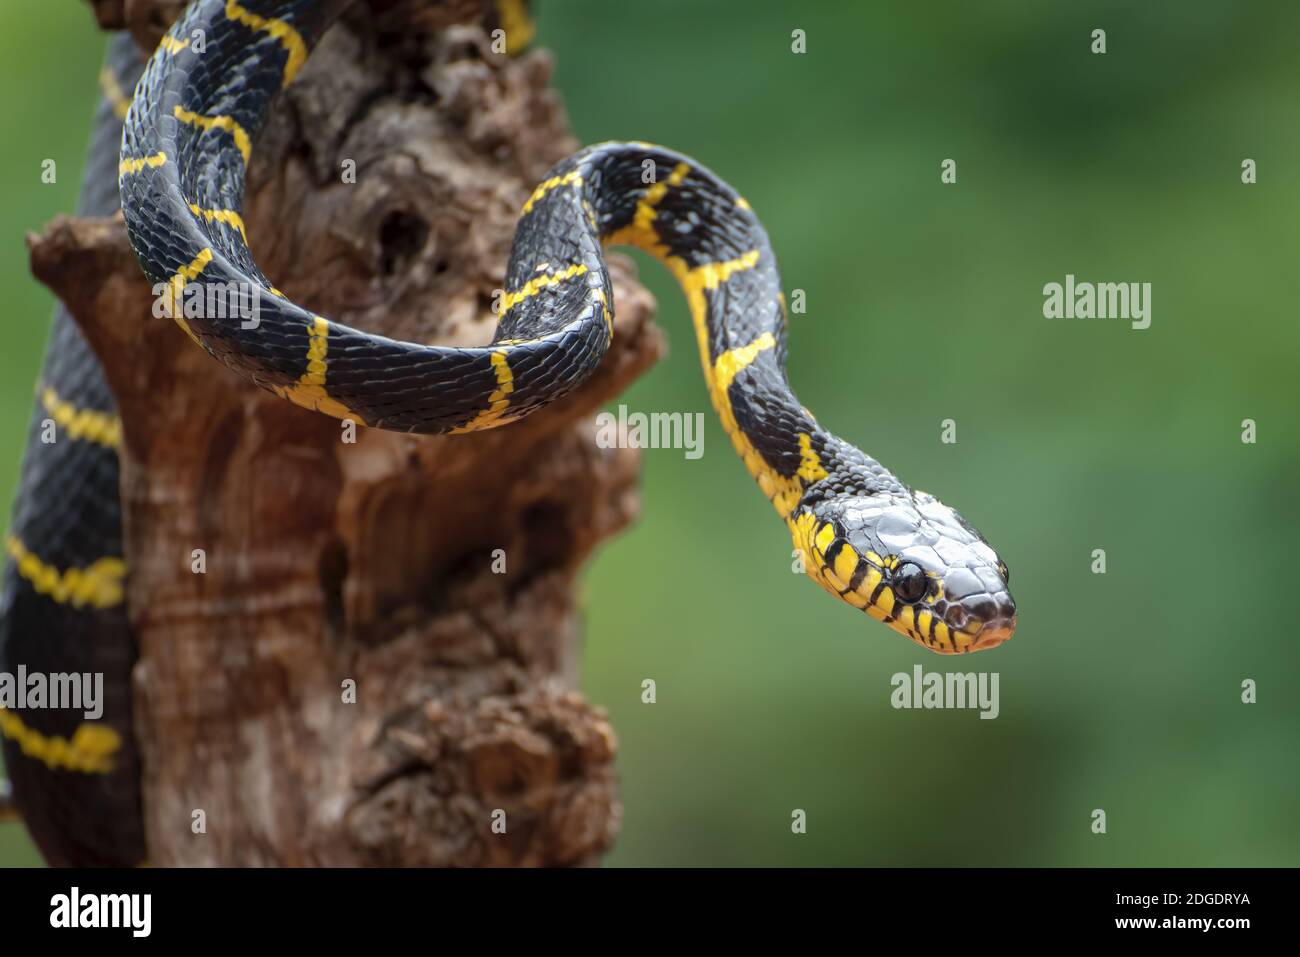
909, 581
1004, 572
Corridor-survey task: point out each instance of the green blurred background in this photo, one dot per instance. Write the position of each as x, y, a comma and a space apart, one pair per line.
1120, 691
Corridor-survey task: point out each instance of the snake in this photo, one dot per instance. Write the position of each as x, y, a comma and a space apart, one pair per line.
876, 544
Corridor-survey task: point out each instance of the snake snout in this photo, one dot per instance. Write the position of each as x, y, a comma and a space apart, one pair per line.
980, 606
991, 618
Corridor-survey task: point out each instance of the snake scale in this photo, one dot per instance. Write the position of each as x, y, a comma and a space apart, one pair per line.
899, 554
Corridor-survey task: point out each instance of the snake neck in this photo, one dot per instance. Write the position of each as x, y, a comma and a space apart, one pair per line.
712, 242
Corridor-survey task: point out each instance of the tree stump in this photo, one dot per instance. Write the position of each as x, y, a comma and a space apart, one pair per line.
273, 563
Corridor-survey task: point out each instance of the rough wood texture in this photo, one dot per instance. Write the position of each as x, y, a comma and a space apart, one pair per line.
372, 561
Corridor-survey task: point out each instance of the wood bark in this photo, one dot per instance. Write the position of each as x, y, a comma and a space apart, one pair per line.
372, 562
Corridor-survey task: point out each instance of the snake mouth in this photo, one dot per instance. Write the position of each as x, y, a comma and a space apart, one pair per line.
993, 633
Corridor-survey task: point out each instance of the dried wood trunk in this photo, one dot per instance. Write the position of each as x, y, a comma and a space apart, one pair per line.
328, 561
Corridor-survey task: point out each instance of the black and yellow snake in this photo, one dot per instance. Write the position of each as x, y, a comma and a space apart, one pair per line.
900, 555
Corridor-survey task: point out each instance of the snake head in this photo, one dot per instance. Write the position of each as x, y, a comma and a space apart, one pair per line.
912, 562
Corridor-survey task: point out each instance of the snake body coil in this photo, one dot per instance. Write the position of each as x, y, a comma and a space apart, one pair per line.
900, 555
